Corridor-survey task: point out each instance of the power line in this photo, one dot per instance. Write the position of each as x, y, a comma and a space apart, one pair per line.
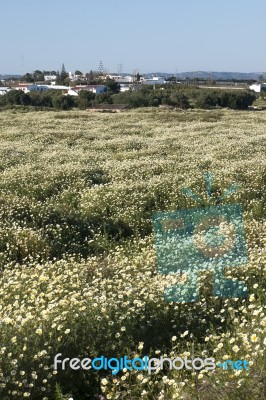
120, 69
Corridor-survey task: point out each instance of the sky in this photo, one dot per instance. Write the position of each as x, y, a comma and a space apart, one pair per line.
145, 35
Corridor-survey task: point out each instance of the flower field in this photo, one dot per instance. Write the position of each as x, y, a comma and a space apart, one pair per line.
78, 260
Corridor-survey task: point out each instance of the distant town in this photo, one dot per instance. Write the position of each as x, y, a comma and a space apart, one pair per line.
98, 82
107, 91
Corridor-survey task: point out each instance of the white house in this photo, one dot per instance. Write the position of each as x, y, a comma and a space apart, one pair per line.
49, 78
120, 78
32, 87
258, 87
28, 87
97, 89
22, 86
117, 78
74, 77
37, 88
4, 90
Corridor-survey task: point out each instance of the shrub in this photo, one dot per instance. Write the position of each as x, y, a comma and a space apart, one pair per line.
85, 99
236, 100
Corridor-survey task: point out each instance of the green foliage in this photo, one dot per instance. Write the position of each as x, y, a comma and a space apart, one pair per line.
93, 78
52, 99
180, 100
144, 96
63, 102
105, 98
42, 100
28, 78
63, 78
58, 393
85, 99
38, 75
236, 100
148, 97
34, 77
17, 97
112, 85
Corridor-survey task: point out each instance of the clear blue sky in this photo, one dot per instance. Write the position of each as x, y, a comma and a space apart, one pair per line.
148, 35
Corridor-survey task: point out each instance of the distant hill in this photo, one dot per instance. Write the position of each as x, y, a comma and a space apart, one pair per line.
5, 77
212, 75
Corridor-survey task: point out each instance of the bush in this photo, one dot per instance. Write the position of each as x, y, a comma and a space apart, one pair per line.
17, 97
85, 99
236, 100
105, 98
63, 102
43, 99
179, 100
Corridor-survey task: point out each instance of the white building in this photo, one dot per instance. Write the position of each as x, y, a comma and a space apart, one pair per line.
129, 79
32, 87
117, 78
155, 80
74, 77
37, 88
28, 87
57, 87
97, 89
120, 78
4, 90
258, 87
49, 78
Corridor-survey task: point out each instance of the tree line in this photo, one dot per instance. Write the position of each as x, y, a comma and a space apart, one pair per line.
145, 96
186, 97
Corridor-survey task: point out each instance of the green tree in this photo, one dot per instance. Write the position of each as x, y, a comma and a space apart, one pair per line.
61, 102
63, 78
236, 100
91, 78
105, 98
112, 86
28, 78
38, 75
17, 97
179, 100
85, 99
43, 99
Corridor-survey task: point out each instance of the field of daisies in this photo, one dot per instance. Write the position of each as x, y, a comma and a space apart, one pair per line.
79, 273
